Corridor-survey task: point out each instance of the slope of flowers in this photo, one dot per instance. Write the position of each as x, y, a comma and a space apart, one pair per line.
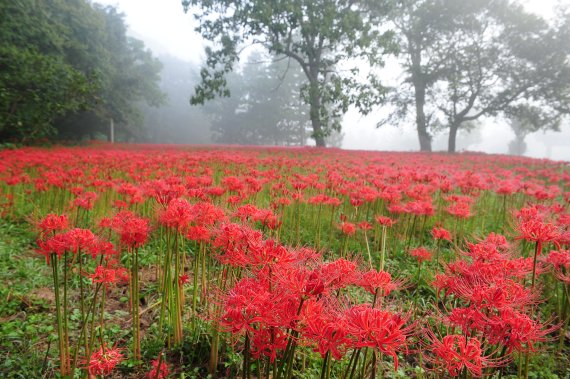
298, 261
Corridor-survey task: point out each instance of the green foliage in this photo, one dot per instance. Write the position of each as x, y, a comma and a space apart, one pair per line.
24, 325
66, 67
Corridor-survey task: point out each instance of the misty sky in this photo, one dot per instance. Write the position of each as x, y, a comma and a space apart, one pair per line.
166, 29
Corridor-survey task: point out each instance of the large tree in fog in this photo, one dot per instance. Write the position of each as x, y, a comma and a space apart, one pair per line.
467, 60
264, 107
320, 35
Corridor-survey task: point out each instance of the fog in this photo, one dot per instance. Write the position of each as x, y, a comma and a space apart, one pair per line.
168, 31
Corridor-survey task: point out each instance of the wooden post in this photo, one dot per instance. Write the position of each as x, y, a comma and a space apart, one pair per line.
112, 131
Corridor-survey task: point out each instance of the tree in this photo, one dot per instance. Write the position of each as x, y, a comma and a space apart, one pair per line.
524, 120
37, 82
128, 76
464, 61
66, 67
264, 107
418, 25
321, 36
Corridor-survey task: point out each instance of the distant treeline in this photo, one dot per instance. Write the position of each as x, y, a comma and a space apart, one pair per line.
67, 68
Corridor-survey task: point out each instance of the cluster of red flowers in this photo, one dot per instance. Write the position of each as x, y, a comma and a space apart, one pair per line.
247, 218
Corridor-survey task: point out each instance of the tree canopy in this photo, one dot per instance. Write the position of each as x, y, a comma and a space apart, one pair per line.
324, 37
67, 67
464, 61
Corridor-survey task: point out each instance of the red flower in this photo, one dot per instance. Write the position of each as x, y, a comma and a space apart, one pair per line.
159, 369
421, 253
86, 200
455, 352
183, 279
347, 228
538, 231
53, 222
339, 273
385, 221
364, 225
460, 209
516, 330
374, 280
244, 305
133, 230
177, 215
326, 327
198, 234
441, 234
375, 328
105, 276
559, 259
104, 360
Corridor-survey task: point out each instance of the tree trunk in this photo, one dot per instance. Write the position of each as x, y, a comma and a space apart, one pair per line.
423, 135
452, 138
315, 112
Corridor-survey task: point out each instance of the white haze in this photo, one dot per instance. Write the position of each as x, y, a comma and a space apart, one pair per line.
166, 29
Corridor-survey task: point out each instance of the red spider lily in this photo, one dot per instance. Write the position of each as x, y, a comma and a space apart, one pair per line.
537, 231
338, 274
198, 233
120, 204
375, 328
488, 284
100, 247
373, 280
86, 200
246, 212
301, 282
268, 342
267, 218
160, 369
108, 276
500, 294
469, 319
455, 352
235, 241
324, 326
105, 223
419, 208
80, 239
183, 279
132, 230
516, 330
440, 234
268, 253
460, 209
70, 241
558, 259
57, 244
53, 223
104, 360
347, 228
498, 241
245, 304
421, 254
364, 225
164, 192
385, 221
177, 214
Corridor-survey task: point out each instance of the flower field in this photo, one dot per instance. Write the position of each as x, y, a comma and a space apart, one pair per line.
136, 261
